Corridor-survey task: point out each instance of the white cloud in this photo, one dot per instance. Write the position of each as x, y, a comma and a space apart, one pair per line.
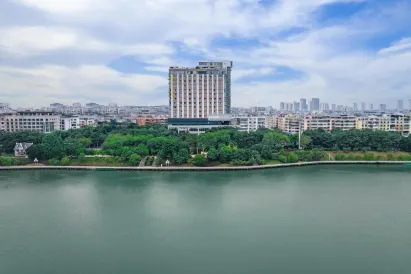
238, 74
333, 61
24, 41
403, 44
36, 87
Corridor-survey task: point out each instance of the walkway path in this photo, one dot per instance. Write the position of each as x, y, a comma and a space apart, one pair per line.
143, 162
164, 168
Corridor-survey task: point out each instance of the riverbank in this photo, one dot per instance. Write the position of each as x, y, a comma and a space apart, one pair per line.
217, 168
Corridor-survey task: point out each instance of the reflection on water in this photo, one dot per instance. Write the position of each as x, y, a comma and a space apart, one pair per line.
324, 219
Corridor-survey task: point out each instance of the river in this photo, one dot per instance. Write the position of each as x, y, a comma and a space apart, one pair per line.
315, 219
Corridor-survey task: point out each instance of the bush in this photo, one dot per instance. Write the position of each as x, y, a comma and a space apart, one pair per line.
339, 157
369, 157
390, 157
6, 161
292, 158
358, 158
135, 159
54, 162
199, 160
282, 159
65, 161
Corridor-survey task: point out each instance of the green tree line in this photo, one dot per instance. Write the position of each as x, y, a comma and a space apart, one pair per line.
127, 144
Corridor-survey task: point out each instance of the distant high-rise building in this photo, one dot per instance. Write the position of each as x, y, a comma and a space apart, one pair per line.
400, 105
296, 106
383, 107
355, 107
282, 106
324, 107
363, 107
340, 108
201, 91
333, 107
303, 104
371, 107
315, 104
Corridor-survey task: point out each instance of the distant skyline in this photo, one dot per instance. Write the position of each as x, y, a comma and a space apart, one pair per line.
341, 51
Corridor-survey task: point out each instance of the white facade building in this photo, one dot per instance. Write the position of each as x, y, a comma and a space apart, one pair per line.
249, 123
67, 123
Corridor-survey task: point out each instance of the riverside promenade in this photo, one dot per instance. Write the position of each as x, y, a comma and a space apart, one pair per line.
217, 168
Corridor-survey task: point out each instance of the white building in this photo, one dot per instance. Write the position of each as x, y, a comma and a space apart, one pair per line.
67, 123
248, 124
40, 121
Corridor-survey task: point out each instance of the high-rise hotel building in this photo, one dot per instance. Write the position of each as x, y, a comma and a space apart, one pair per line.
201, 91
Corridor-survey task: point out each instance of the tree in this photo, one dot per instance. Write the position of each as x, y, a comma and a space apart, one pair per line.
86, 142
213, 154
199, 160
134, 159
142, 150
36, 151
275, 140
181, 157
52, 146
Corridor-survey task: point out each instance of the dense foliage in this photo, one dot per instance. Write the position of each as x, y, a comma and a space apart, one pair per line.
128, 144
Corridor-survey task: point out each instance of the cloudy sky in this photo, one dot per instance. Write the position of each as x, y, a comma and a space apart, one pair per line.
342, 51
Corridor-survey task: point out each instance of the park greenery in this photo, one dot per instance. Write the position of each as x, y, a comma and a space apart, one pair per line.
128, 144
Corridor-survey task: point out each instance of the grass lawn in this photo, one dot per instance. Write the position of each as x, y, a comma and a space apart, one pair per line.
271, 162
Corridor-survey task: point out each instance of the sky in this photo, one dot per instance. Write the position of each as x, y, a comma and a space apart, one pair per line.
104, 51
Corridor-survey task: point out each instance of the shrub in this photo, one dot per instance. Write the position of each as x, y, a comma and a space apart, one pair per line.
282, 159
292, 158
199, 160
135, 159
390, 157
65, 161
369, 157
54, 162
339, 157
6, 161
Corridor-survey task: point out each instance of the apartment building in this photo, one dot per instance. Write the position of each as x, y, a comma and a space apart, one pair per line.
201, 91
330, 122
272, 121
249, 124
387, 122
289, 123
67, 123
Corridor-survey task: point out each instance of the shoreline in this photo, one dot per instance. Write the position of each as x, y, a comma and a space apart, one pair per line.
175, 168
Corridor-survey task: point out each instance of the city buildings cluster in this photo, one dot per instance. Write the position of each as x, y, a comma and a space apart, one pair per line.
200, 99
316, 106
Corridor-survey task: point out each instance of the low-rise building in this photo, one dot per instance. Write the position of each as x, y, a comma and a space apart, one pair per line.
41, 121
249, 123
290, 124
330, 122
67, 123
198, 125
151, 120
20, 149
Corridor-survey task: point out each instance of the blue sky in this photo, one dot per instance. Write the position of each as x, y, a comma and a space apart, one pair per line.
342, 51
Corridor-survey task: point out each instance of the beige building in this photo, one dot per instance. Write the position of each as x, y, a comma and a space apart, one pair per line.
289, 123
387, 122
201, 91
329, 122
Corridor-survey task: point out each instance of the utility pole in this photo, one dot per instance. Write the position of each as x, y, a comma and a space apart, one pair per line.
299, 130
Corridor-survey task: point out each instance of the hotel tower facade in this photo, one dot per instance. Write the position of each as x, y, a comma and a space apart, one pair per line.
201, 91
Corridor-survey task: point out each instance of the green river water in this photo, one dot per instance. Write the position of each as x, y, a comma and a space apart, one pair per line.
318, 219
